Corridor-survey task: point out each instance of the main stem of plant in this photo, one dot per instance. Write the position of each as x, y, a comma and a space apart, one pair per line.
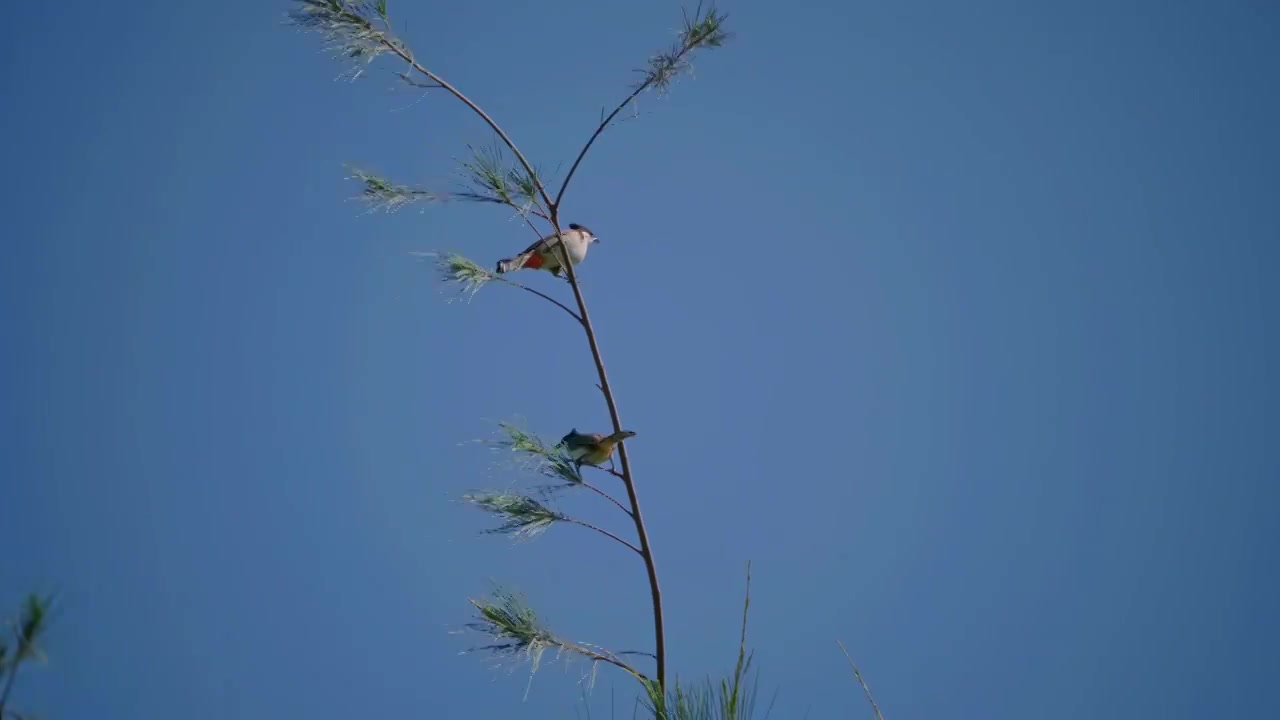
553, 210
646, 552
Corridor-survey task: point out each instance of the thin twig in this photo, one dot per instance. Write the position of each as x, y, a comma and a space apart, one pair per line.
404, 53
417, 83
480, 197
604, 532
861, 682
13, 673
602, 657
542, 295
529, 222
604, 124
606, 496
646, 653
8, 686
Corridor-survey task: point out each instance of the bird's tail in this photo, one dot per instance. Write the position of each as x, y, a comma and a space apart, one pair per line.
530, 260
621, 435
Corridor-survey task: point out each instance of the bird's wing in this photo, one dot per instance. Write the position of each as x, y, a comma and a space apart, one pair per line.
541, 244
575, 440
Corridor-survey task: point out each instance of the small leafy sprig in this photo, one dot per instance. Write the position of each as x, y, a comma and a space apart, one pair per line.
699, 31
356, 30
543, 458
729, 699
522, 516
26, 630
527, 517
494, 180
517, 632
379, 193
469, 276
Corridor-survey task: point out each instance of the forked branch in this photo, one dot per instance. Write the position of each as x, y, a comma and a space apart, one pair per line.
359, 30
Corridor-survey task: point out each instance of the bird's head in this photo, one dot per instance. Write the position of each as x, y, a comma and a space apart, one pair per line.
586, 231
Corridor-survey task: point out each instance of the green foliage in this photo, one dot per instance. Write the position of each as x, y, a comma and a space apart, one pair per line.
350, 27
702, 30
487, 178
522, 515
514, 627
493, 179
455, 268
540, 457
33, 618
380, 193
729, 699
517, 632
26, 631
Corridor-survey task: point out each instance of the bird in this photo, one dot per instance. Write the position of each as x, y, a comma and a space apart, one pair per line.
592, 448
545, 253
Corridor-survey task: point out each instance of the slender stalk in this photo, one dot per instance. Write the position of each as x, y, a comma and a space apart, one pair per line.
529, 222
542, 295
404, 53
609, 658
606, 496
863, 683
603, 532
646, 552
605, 124
8, 682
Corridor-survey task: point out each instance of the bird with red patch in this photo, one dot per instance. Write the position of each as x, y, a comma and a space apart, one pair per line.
545, 253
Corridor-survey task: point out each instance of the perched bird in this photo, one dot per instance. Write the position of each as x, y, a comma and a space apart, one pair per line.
592, 448
545, 253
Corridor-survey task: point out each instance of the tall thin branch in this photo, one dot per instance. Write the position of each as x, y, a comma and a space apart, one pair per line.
645, 550
554, 212
365, 41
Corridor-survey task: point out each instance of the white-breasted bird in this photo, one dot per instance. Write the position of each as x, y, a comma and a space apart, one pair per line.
545, 253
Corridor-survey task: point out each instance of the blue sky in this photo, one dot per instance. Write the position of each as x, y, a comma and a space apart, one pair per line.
954, 319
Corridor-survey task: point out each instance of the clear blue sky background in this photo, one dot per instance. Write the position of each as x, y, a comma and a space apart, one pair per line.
955, 319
